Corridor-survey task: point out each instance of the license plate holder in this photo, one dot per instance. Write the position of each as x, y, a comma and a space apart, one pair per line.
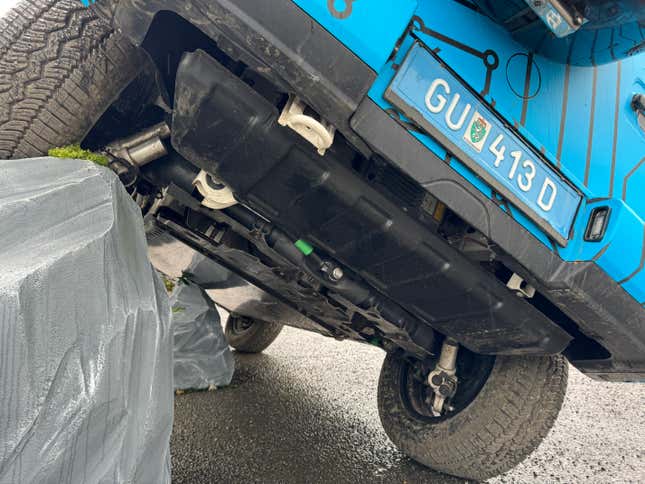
424, 89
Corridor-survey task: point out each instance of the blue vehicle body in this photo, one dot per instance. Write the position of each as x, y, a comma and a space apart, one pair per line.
572, 116
578, 118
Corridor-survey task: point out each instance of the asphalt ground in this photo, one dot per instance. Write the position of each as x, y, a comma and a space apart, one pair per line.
305, 412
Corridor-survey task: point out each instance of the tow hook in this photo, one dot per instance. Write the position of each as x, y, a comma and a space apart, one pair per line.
319, 132
443, 379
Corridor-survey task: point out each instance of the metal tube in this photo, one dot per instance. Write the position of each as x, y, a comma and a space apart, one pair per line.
143, 147
160, 130
147, 151
448, 358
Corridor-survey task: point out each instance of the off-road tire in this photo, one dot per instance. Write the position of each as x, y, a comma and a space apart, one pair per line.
255, 339
506, 421
60, 68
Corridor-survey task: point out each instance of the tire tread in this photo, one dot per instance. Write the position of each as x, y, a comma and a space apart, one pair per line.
509, 418
60, 68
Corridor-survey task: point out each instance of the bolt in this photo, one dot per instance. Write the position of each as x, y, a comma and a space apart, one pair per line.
537, 3
337, 274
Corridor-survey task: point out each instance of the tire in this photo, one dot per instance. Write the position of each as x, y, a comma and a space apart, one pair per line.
61, 67
508, 417
250, 335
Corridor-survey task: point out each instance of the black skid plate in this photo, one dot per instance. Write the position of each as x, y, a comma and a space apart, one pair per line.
224, 126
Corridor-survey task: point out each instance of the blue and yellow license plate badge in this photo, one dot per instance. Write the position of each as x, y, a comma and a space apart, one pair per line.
430, 94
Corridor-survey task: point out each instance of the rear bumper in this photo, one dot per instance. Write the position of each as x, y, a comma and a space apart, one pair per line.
582, 290
335, 82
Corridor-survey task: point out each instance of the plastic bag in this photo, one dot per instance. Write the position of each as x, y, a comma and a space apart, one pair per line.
202, 357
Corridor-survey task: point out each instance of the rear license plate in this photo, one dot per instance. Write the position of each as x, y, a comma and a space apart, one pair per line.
428, 93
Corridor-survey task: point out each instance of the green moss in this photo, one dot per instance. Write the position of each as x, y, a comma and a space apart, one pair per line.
178, 309
76, 152
168, 283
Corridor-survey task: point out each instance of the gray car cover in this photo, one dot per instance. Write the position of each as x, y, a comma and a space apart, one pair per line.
85, 341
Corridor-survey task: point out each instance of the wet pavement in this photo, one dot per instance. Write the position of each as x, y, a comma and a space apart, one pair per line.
305, 411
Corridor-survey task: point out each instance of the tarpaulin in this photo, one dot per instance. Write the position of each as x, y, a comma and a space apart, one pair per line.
85, 341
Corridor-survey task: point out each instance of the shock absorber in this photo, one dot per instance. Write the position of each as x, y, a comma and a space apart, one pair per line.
443, 379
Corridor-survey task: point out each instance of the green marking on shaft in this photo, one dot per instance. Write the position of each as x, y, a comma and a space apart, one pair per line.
304, 247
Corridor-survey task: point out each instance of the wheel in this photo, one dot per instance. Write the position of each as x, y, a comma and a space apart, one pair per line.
250, 335
503, 408
60, 68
